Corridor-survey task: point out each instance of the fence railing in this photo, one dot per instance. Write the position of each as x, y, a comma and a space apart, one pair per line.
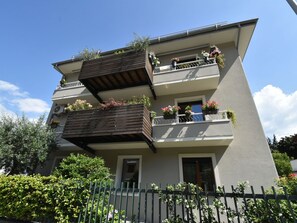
70, 85
194, 117
182, 203
190, 64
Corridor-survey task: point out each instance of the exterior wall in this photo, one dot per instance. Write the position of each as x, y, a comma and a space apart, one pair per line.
247, 157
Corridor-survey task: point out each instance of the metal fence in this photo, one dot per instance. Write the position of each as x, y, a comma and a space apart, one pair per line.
183, 203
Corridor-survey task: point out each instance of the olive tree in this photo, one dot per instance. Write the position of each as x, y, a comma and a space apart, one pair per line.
24, 144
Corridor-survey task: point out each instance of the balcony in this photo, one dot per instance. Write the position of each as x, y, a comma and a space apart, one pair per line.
198, 130
117, 71
196, 75
69, 90
129, 123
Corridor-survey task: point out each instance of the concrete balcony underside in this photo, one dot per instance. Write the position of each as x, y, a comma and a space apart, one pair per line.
187, 80
206, 133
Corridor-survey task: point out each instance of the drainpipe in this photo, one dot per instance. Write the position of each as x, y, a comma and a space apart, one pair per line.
293, 5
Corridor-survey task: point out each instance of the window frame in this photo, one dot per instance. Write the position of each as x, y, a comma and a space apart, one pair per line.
119, 170
189, 99
199, 155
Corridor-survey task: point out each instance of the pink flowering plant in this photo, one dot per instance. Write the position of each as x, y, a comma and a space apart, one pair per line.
210, 106
170, 110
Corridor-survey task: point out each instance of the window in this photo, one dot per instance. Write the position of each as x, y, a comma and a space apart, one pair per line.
128, 171
199, 170
196, 104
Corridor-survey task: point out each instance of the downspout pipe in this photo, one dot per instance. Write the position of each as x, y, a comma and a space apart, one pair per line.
293, 5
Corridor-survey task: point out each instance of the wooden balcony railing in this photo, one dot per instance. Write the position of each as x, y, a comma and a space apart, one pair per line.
119, 124
117, 71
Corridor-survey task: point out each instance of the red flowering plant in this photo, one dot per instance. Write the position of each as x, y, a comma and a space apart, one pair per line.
170, 110
210, 107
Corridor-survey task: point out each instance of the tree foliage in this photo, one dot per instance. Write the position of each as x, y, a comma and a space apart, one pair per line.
24, 144
288, 144
83, 168
282, 163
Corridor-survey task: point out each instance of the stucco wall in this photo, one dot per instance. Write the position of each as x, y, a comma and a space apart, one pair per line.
247, 157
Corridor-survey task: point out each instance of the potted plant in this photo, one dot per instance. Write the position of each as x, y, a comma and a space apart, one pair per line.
154, 60
54, 123
205, 56
63, 81
231, 115
217, 54
188, 111
174, 62
169, 112
210, 107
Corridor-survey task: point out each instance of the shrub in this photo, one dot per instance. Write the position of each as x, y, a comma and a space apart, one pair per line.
78, 105
32, 198
282, 163
83, 168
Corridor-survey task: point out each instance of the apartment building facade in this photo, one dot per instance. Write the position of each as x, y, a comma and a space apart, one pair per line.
205, 149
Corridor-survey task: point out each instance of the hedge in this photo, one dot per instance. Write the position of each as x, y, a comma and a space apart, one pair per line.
40, 198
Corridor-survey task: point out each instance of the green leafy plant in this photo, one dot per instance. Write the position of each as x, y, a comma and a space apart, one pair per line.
153, 114
231, 115
38, 198
282, 163
88, 54
140, 43
63, 81
188, 110
119, 52
78, 105
83, 168
140, 100
24, 144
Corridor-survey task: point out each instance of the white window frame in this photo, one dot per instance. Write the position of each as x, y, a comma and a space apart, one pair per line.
120, 168
188, 99
199, 155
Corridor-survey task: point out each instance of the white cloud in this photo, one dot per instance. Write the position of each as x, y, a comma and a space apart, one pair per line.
277, 111
32, 105
12, 89
14, 101
5, 111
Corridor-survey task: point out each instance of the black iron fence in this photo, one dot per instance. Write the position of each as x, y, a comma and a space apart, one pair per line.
188, 203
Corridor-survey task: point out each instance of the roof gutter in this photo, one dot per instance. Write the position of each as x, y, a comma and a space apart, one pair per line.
181, 35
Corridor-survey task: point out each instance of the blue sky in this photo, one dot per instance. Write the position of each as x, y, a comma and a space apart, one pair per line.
35, 34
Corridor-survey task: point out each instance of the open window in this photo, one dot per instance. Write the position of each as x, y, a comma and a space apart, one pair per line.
128, 171
196, 107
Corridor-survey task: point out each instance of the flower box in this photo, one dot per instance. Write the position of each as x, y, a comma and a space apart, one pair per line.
169, 116
210, 111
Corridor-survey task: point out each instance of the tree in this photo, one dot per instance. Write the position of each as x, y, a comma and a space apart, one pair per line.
282, 163
288, 144
272, 143
24, 144
83, 168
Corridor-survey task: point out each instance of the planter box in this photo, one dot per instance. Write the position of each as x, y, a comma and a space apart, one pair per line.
209, 112
173, 116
